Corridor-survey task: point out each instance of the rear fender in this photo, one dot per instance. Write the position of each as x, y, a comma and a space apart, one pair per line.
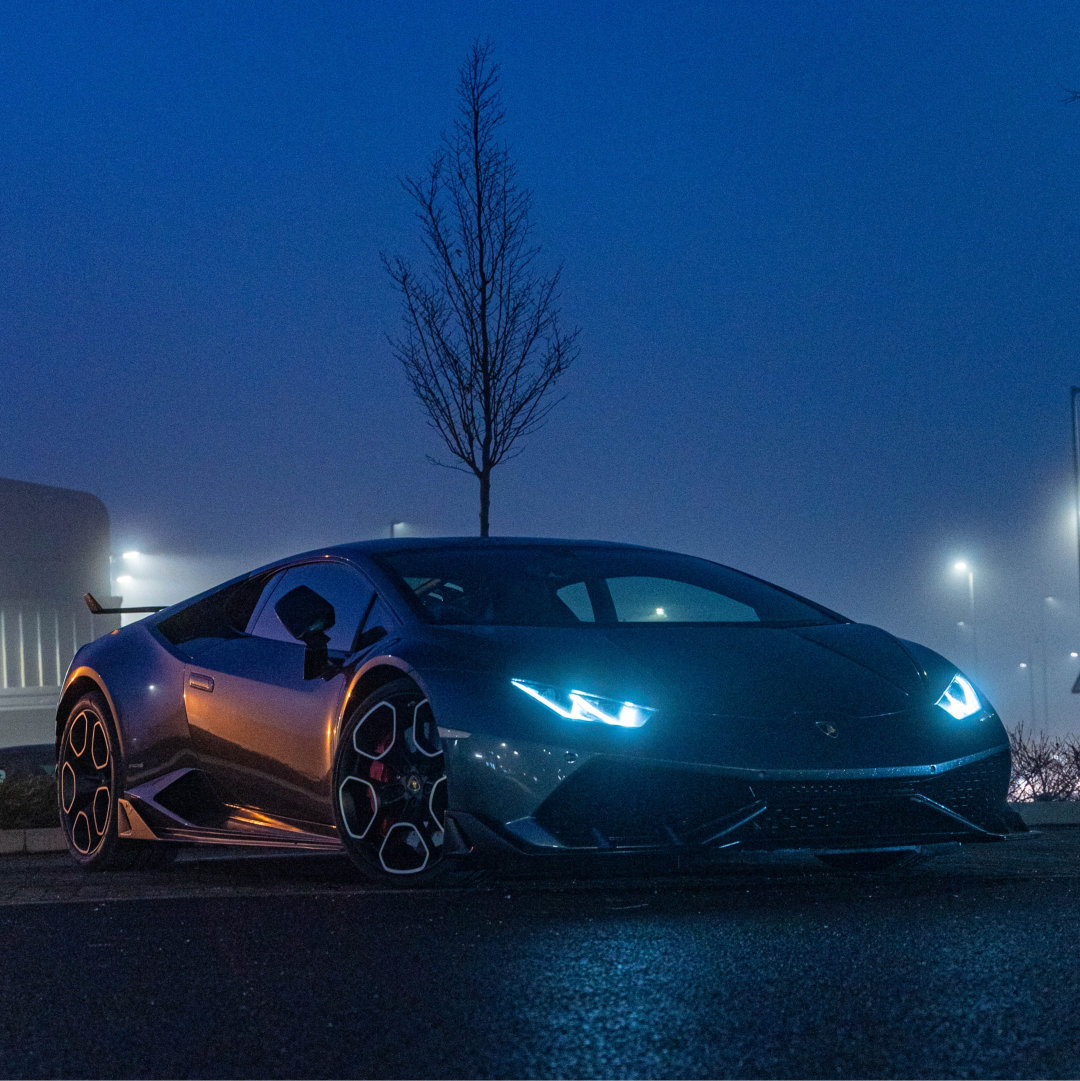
143, 685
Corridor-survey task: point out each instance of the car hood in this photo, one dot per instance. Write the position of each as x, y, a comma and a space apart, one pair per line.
761, 671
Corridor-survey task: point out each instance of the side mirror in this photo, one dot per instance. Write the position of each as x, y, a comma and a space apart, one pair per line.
307, 617
304, 613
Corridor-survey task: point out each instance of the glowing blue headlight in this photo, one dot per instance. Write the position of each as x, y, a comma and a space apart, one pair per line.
959, 699
579, 706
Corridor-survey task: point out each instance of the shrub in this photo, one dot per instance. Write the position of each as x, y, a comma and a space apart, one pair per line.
28, 801
1043, 768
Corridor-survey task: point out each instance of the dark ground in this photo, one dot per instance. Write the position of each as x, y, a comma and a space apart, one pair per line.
965, 966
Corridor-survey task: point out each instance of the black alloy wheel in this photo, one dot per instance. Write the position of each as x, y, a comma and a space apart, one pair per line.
88, 782
390, 786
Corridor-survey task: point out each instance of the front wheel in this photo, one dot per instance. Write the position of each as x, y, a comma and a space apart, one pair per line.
390, 786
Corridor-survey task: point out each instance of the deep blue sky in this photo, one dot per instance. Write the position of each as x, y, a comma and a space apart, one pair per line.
824, 258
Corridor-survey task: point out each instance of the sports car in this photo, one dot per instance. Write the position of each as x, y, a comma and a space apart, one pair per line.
427, 704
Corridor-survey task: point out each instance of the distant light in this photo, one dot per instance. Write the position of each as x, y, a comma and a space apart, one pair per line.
133, 554
1023, 664
1074, 654
960, 565
659, 611
124, 579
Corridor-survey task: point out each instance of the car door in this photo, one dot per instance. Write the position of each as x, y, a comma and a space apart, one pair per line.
262, 730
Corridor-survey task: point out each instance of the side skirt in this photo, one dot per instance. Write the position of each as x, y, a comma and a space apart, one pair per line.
179, 807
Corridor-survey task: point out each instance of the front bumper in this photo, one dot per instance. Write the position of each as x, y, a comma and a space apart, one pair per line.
611, 803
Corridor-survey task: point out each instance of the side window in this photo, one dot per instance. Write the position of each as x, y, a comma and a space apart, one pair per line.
380, 616
576, 598
346, 589
221, 614
269, 585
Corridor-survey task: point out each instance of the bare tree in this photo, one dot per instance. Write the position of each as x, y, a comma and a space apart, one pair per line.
481, 345
1043, 768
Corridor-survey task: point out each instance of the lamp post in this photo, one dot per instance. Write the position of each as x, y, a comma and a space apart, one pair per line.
1076, 466
1048, 602
964, 568
1031, 689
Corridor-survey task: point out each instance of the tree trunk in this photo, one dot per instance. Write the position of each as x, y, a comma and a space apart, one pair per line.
485, 500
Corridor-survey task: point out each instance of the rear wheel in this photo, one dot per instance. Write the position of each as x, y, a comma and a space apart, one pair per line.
89, 781
390, 786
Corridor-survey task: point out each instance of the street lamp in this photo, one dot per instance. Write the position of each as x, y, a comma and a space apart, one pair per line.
1048, 603
1031, 690
963, 568
1075, 394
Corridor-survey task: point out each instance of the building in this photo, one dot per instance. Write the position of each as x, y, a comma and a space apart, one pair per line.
54, 547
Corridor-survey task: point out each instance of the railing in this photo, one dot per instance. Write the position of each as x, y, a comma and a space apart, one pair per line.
37, 642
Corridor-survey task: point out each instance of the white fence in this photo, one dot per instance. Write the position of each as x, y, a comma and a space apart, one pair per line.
37, 642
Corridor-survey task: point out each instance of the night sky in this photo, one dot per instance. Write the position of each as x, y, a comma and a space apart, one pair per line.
824, 258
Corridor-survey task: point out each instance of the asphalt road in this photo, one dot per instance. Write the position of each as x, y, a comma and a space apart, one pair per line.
966, 966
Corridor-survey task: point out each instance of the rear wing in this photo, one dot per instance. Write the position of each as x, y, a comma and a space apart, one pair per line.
95, 607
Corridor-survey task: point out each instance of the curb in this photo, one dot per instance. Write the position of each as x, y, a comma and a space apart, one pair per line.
16, 842
1051, 813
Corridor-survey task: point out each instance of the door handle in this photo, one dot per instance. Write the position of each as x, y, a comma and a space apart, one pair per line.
201, 682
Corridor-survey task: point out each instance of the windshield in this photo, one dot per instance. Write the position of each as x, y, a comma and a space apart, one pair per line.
567, 585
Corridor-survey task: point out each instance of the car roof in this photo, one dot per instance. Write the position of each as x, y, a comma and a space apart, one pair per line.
364, 550
384, 545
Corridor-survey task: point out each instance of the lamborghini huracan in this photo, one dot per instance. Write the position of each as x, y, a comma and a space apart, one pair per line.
428, 704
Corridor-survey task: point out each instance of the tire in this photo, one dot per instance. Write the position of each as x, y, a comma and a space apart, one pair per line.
89, 781
390, 787
867, 861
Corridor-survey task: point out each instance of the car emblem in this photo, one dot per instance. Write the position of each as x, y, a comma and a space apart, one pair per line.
827, 728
